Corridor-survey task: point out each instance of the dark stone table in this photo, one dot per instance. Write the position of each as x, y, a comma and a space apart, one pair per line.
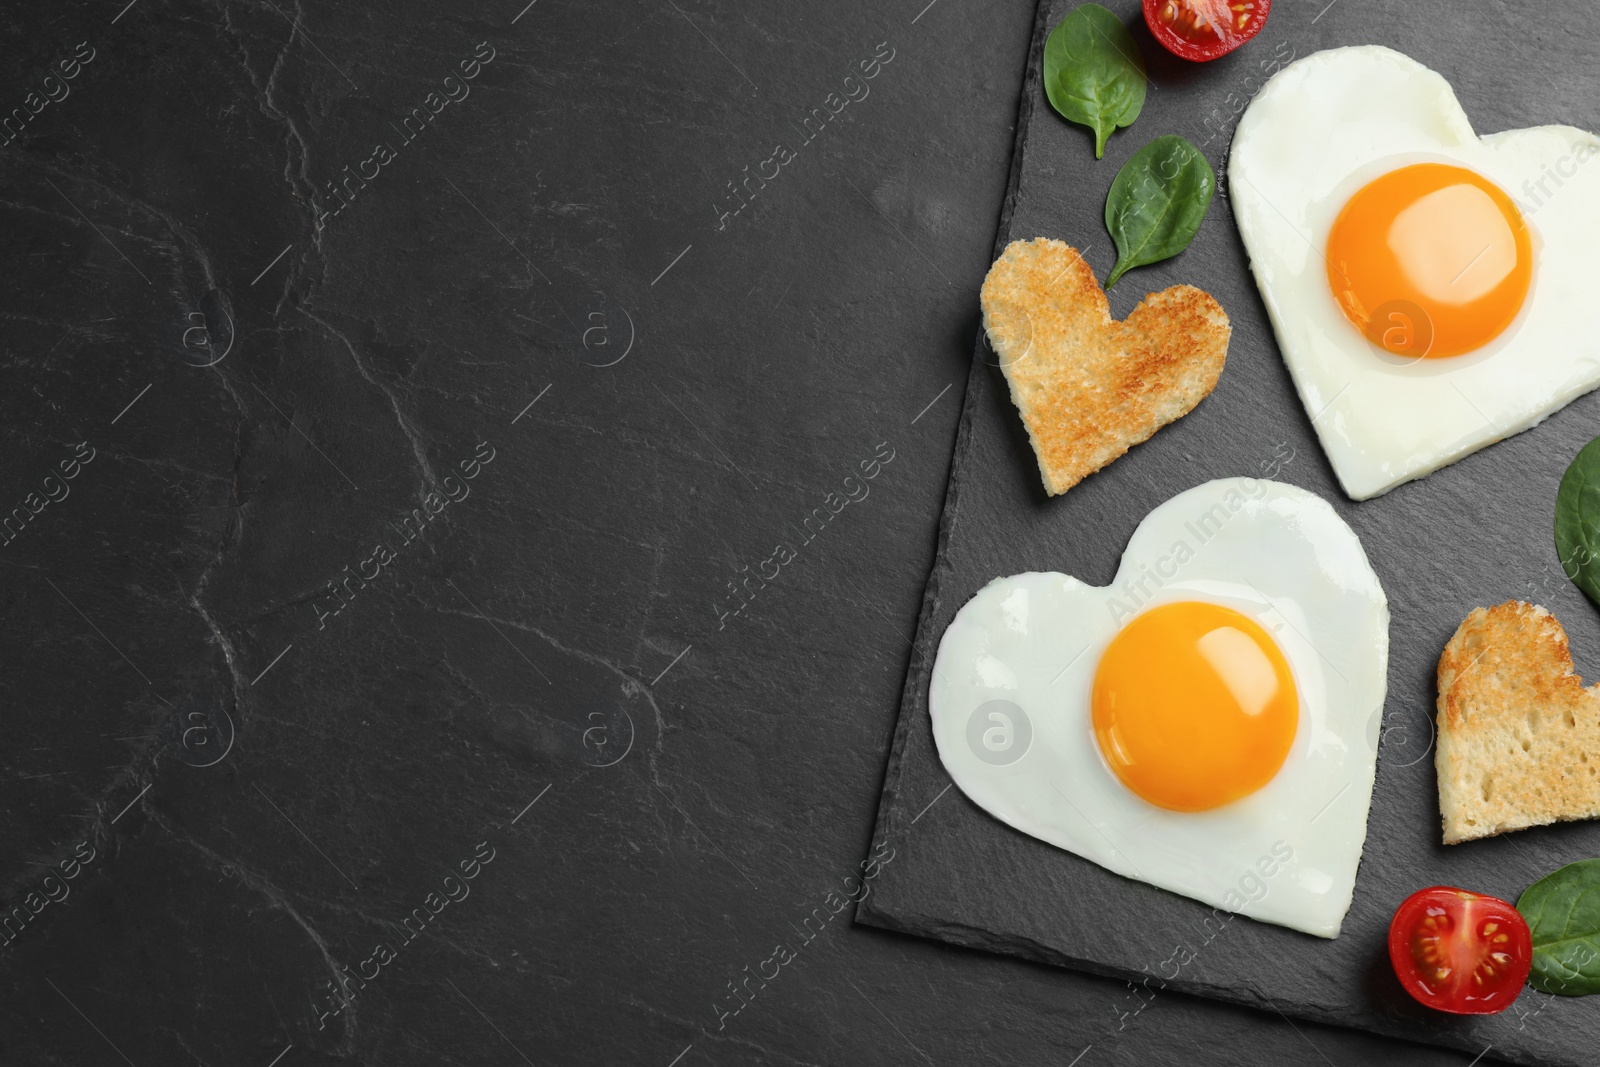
471, 472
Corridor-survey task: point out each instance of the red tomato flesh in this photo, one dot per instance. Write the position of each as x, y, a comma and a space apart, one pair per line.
1205, 29
1460, 952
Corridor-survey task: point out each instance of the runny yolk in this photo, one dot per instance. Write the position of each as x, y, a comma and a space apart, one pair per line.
1194, 706
1430, 260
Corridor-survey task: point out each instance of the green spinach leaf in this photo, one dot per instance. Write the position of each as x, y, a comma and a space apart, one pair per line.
1578, 521
1093, 73
1157, 203
1563, 912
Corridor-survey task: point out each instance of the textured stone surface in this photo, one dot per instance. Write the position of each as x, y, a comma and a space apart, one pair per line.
1478, 532
244, 785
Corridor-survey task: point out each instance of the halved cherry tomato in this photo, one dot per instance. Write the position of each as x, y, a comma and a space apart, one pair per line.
1205, 29
1460, 952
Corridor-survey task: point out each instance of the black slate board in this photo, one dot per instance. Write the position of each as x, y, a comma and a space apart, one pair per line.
1475, 533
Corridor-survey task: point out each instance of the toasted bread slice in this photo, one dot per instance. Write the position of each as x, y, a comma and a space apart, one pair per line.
1519, 735
1088, 387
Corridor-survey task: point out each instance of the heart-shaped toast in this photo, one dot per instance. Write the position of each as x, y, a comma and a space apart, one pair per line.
1088, 387
1519, 735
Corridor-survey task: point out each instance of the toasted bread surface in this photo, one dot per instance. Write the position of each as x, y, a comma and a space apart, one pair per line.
1088, 387
1519, 735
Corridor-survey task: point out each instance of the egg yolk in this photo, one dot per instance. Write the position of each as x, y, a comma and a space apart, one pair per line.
1194, 706
1430, 260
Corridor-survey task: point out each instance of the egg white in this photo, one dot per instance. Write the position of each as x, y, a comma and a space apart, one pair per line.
1286, 854
1319, 130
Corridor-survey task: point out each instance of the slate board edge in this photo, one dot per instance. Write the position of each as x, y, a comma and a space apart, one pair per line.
919, 670
1031, 951
920, 667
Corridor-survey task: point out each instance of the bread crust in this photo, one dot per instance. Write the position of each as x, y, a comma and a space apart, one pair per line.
1519, 735
1088, 387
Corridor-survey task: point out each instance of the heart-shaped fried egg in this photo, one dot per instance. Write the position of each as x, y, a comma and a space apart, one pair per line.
1206, 723
1432, 291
